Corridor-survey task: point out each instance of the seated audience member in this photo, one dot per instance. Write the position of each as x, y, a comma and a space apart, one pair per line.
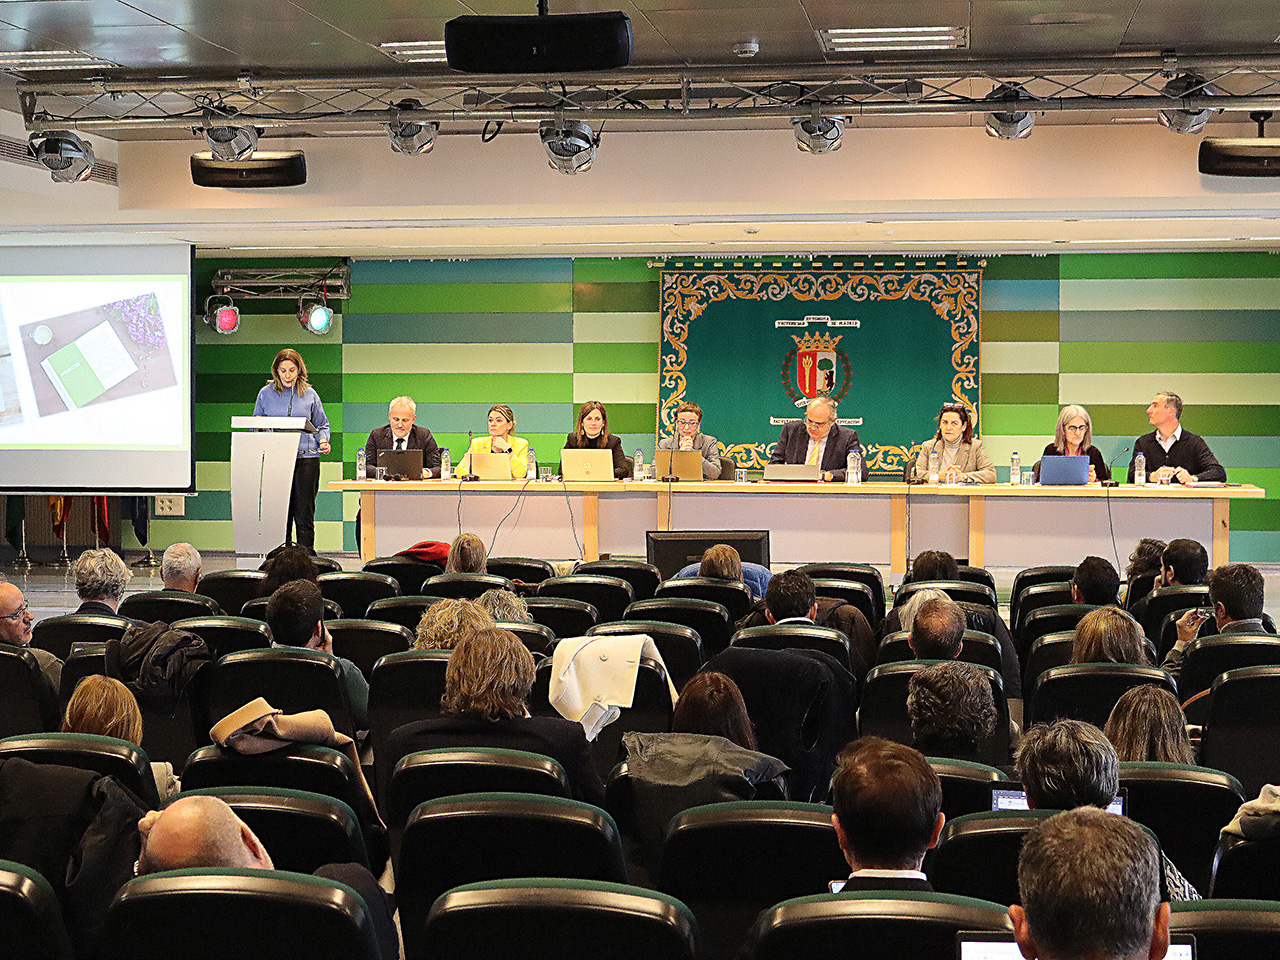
180, 568
16, 619
202, 831
1172, 453
1184, 563
1068, 764
1147, 725
722, 562
504, 605
1144, 561
290, 564
105, 707
689, 436
905, 613
447, 621
466, 555
1235, 590
1095, 581
820, 441
937, 630
487, 686
831, 612
1109, 635
1089, 883
101, 577
592, 433
295, 614
934, 565
951, 710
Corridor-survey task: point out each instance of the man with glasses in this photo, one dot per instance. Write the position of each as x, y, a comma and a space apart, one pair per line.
689, 436
15, 629
819, 440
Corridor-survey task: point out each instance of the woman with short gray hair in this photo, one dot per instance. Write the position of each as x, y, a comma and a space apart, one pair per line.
101, 577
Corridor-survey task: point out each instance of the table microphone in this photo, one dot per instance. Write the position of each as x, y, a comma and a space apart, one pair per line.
1111, 468
469, 476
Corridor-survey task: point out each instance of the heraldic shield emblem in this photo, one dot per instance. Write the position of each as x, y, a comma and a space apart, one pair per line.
820, 368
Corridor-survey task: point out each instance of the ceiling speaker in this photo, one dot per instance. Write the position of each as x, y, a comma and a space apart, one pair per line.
552, 43
266, 168
1240, 156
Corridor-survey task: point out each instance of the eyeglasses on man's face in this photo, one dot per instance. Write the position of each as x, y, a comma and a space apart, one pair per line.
17, 614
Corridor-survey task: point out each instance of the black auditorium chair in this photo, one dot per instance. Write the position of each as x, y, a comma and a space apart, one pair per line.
855, 594
978, 647
57, 634
563, 616
1165, 600
228, 634
1229, 929
679, 645
862, 573
1137, 588
609, 595
1033, 576
966, 785
977, 854
1204, 660
468, 586
232, 589
1089, 691
403, 688
167, 605
1050, 650
365, 642
473, 837
1038, 596
538, 638
85, 660
1242, 735
734, 595
1169, 632
977, 575
796, 636
326, 564
409, 573
30, 703
1056, 619
307, 767
643, 577
524, 569
555, 919
873, 925
354, 590
108, 756
406, 611
31, 916
257, 609
709, 619
1245, 868
959, 590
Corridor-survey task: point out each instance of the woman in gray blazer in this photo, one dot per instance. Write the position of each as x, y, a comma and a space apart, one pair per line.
961, 456
689, 436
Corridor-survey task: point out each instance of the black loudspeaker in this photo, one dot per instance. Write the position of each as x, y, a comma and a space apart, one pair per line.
555, 43
268, 168
1240, 156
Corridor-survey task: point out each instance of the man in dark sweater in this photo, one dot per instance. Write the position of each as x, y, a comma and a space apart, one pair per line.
1171, 451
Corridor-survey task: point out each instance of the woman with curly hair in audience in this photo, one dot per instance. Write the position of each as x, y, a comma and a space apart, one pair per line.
952, 710
446, 622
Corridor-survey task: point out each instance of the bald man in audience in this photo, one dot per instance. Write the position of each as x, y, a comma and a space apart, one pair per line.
16, 620
937, 633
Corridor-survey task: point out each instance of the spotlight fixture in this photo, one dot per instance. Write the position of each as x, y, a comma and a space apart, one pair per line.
1187, 121
313, 314
221, 313
818, 134
227, 141
410, 136
571, 144
67, 158
1009, 124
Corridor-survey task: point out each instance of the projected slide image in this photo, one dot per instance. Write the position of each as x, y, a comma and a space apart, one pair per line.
102, 353
10, 404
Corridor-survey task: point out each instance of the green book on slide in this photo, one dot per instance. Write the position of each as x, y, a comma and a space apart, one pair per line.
87, 368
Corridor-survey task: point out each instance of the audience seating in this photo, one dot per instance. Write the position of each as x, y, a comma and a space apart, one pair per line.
862, 573
1229, 929
167, 605
1037, 597
710, 620
365, 642
524, 569
977, 575
468, 586
643, 577
1057, 619
680, 646
326, 564
855, 594
169, 735
497, 836
410, 574
735, 596
58, 634
959, 590
1204, 660
539, 639
609, 595
1088, 691
405, 611
1185, 807
85, 660
562, 616
978, 647
620, 800
257, 609
403, 688
30, 703
228, 912
354, 590
1168, 635
31, 916
1245, 868
225, 635
1167, 599
977, 854
1138, 587
801, 636
876, 925
1049, 650
555, 919
1033, 576
1242, 736
966, 786
232, 589
108, 756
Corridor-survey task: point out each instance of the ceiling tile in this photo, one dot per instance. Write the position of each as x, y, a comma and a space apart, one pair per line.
1012, 13
1202, 34
825, 16
738, 22
774, 48
1014, 42
192, 12
82, 14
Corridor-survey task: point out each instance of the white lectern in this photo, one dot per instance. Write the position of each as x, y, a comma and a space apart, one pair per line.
263, 450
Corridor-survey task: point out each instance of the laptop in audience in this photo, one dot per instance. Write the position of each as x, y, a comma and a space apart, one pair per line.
587, 466
1011, 796
992, 945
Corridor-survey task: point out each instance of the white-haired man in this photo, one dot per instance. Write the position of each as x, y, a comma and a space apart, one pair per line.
818, 440
403, 433
180, 568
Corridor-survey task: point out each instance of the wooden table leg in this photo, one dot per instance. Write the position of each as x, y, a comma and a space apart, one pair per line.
367, 521
590, 526
898, 535
664, 508
1221, 531
977, 531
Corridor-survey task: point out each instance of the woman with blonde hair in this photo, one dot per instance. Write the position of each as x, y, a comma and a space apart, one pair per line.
1109, 635
1073, 437
466, 555
446, 622
592, 433
105, 707
501, 439
1147, 725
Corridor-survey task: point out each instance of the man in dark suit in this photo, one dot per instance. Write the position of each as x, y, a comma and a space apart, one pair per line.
818, 439
402, 433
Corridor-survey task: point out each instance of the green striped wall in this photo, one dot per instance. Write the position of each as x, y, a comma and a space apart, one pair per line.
545, 334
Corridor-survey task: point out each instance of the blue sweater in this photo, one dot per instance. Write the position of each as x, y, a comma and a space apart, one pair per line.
289, 404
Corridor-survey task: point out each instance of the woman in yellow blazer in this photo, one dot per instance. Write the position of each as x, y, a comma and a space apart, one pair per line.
501, 440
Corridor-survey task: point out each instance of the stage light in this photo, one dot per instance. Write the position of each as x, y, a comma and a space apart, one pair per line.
221, 313
410, 136
818, 134
313, 314
67, 158
1187, 121
1009, 124
227, 141
571, 145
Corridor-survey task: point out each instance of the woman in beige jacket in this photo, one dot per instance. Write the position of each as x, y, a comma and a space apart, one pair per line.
961, 457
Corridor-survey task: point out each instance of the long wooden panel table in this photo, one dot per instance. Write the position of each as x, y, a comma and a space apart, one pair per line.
990, 524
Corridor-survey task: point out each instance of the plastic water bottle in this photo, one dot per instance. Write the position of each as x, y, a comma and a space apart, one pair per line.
360, 469
531, 471
1015, 469
935, 466
853, 467
446, 464
637, 466
1140, 470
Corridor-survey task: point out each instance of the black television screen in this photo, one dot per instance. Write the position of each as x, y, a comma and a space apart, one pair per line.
671, 550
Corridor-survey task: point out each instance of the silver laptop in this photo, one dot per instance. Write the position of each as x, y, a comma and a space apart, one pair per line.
990, 945
686, 465
791, 471
587, 466
491, 466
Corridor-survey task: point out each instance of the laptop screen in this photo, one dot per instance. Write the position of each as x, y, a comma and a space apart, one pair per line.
981, 945
1011, 796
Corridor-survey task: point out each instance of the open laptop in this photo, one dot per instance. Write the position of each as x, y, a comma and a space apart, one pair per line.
683, 464
1064, 471
402, 464
491, 466
990, 945
791, 471
1011, 796
586, 466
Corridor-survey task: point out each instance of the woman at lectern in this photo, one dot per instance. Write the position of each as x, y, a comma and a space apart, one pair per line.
593, 434
289, 395
961, 457
502, 439
1073, 437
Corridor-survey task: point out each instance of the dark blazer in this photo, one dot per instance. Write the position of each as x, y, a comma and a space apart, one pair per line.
1096, 461
95, 606
419, 438
562, 740
620, 469
793, 445
860, 884
1188, 451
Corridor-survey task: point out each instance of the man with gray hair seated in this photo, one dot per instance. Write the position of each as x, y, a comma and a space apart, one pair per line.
101, 577
180, 568
1089, 882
